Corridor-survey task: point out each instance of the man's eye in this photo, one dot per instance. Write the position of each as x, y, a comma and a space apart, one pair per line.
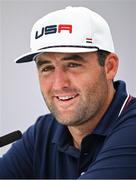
73, 65
46, 69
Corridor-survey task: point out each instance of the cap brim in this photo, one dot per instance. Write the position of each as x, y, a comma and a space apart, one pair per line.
28, 57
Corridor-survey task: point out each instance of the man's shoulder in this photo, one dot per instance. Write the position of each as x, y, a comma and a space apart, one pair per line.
132, 104
123, 130
130, 110
46, 123
45, 126
45, 119
127, 117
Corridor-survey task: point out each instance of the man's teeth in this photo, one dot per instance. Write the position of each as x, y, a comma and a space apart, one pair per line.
63, 98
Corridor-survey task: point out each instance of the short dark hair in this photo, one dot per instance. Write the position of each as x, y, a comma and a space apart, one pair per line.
102, 55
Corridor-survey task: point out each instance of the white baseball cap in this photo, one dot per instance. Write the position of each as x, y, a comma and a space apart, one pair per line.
70, 30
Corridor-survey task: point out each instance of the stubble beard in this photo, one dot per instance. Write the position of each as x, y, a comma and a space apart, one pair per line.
86, 109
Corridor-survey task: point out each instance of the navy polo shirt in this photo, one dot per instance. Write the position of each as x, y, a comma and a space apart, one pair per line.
46, 149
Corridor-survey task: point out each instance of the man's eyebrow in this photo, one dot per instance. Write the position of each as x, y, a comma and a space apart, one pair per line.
74, 57
41, 62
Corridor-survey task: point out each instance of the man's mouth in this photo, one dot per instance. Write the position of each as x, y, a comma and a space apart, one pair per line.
66, 98
66, 102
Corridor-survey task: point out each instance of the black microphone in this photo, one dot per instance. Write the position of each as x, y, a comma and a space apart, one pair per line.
9, 138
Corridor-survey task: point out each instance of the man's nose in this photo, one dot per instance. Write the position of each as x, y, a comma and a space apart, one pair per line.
61, 79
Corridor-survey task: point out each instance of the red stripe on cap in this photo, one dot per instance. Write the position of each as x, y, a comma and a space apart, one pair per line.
89, 39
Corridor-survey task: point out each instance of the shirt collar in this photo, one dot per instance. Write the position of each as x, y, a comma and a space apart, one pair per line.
114, 110
62, 138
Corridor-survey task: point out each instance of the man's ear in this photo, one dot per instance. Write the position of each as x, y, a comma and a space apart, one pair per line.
111, 66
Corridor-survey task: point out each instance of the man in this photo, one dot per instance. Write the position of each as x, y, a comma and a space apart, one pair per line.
91, 130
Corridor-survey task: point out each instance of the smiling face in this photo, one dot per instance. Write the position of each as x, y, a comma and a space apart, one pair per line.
74, 86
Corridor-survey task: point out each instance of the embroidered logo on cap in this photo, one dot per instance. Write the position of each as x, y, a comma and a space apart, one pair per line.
53, 29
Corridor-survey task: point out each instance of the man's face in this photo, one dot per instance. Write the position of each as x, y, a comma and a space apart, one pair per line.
74, 86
